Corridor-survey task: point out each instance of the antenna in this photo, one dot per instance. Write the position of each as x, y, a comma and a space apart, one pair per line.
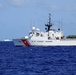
59, 25
49, 25
50, 19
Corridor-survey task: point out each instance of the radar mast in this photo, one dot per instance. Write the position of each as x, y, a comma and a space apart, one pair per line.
49, 24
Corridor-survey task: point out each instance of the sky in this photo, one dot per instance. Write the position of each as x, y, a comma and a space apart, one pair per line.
17, 17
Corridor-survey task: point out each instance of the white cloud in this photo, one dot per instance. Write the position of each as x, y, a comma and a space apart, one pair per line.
16, 2
45, 4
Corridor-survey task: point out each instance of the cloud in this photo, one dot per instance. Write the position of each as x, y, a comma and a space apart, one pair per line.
13, 3
16, 2
60, 5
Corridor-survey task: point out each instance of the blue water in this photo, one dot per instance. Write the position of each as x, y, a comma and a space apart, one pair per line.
37, 60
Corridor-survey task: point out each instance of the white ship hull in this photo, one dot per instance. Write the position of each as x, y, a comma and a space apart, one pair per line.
26, 42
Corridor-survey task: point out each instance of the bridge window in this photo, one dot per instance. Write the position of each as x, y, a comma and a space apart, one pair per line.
37, 34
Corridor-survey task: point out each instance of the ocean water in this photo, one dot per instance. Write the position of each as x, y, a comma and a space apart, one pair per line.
37, 60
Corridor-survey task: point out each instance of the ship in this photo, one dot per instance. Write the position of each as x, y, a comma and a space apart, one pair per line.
51, 37
6, 40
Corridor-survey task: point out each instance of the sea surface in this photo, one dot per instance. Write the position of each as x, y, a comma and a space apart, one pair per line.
37, 60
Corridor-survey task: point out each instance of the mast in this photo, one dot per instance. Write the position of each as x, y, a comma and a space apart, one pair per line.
49, 24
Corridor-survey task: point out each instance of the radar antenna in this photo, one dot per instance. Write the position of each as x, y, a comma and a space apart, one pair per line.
49, 24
